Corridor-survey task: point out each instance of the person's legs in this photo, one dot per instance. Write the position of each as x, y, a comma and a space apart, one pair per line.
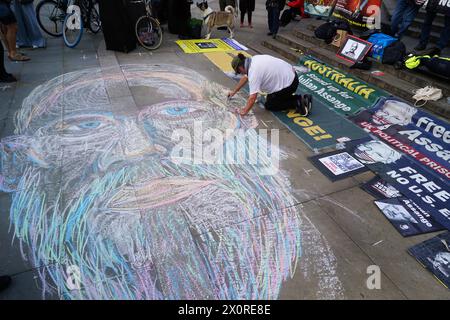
33, 31
2, 60
222, 4
270, 19
283, 99
22, 39
408, 17
426, 30
249, 16
445, 34
397, 16
9, 22
275, 20
242, 18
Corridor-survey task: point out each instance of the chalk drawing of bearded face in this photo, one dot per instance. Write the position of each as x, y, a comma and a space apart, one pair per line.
394, 112
375, 151
94, 190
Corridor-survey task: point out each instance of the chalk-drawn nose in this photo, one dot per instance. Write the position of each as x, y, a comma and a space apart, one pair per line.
136, 142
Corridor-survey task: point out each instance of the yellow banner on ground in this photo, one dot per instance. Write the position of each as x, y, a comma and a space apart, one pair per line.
222, 60
210, 45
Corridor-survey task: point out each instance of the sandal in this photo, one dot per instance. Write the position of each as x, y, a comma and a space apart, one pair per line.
19, 57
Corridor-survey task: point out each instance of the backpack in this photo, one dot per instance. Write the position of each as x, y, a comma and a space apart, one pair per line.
386, 49
286, 17
328, 30
394, 52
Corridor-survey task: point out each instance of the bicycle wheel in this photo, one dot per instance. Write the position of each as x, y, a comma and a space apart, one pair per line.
73, 30
94, 18
149, 32
50, 16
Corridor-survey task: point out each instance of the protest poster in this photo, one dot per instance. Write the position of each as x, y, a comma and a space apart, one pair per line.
434, 255
380, 189
407, 217
416, 133
338, 165
364, 14
428, 191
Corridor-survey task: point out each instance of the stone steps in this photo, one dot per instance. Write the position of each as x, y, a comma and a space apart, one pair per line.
390, 82
417, 78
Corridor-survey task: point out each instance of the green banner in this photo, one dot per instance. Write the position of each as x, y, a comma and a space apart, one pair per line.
323, 128
335, 89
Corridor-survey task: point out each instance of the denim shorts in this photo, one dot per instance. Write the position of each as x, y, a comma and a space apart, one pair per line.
6, 15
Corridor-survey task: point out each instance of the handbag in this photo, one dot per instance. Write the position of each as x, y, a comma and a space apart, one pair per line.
426, 94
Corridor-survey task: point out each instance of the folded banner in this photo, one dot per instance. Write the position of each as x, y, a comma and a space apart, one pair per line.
319, 8
407, 217
420, 135
429, 192
359, 13
434, 255
211, 45
337, 90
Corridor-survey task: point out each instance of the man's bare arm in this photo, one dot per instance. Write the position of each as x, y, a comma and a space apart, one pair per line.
241, 84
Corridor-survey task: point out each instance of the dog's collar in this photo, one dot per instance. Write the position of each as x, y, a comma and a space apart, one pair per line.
207, 16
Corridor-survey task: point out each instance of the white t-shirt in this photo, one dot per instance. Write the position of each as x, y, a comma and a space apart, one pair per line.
269, 74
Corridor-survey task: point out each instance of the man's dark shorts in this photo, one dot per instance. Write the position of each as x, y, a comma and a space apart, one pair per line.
6, 15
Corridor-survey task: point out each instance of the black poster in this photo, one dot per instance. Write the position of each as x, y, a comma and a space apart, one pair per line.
381, 189
434, 255
407, 217
338, 165
441, 6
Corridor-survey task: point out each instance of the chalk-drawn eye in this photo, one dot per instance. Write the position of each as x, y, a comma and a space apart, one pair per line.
83, 126
177, 111
80, 125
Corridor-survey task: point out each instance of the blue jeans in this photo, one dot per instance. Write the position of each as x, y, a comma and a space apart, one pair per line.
273, 19
426, 30
404, 14
28, 32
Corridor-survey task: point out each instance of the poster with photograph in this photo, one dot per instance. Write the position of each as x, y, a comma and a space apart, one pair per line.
413, 181
407, 217
338, 165
381, 189
363, 14
434, 255
421, 136
319, 8
354, 49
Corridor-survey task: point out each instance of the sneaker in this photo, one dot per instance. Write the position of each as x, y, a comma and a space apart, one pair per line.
307, 98
420, 47
270, 34
8, 78
274, 36
300, 107
5, 281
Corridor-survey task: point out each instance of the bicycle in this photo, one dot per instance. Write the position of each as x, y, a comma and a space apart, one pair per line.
148, 30
51, 15
80, 13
